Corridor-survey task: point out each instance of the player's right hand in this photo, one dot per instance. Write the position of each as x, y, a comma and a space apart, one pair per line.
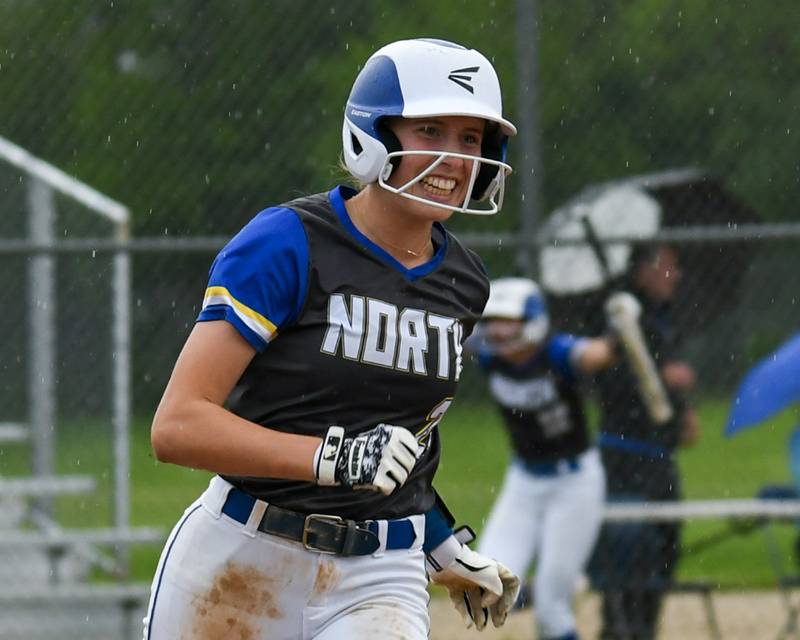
479, 587
380, 459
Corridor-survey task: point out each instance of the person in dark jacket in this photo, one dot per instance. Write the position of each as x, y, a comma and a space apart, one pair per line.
634, 563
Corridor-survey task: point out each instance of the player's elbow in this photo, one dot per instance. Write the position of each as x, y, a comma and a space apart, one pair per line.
160, 441
166, 436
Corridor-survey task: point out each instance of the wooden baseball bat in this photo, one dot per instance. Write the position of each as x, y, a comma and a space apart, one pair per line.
651, 387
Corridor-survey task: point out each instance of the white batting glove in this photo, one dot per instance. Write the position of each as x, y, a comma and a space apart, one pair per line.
379, 459
622, 306
479, 587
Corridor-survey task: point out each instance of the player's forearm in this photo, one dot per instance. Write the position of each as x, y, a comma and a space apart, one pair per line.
202, 435
690, 428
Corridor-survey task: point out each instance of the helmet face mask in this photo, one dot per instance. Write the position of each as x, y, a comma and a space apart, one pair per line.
505, 337
515, 317
419, 79
493, 194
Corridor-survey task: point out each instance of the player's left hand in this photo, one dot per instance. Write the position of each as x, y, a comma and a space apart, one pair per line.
622, 306
380, 459
479, 588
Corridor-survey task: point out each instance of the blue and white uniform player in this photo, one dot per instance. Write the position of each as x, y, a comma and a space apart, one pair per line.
328, 349
549, 510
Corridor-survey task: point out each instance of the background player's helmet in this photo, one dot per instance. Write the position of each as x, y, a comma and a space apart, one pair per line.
519, 299
422, 78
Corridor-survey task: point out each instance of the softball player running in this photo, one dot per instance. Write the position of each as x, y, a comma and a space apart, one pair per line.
327, 351
550, 506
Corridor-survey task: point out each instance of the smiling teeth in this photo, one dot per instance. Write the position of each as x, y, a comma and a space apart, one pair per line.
438, 186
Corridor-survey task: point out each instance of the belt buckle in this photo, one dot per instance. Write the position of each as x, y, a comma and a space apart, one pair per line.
320, 517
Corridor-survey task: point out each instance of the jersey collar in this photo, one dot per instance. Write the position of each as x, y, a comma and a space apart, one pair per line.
337, 197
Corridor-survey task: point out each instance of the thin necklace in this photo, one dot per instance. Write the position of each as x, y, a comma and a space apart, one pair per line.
415, 254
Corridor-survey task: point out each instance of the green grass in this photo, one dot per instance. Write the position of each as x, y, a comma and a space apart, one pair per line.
475, 453
719, 467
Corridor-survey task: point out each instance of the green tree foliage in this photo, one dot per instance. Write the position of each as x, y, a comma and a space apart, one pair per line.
199, 114
633, 87
196, 115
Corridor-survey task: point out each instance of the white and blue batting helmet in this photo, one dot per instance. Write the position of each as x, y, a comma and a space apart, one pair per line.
426, 78
519, 299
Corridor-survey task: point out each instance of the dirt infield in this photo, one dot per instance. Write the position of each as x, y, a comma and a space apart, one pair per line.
740, 616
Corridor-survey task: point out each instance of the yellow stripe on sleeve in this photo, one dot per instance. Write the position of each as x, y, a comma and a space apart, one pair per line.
254, 320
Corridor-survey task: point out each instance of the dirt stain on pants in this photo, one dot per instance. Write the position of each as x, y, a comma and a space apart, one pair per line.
327, 577
237, 605
386, 622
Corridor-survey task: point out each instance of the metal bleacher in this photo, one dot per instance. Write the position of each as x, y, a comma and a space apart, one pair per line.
13, 432
49, 584
58, 582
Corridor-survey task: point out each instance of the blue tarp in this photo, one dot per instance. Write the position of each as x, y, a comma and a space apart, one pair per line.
770, 386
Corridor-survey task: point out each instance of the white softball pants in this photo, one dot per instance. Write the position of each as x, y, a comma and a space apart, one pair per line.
220, 580
555, 521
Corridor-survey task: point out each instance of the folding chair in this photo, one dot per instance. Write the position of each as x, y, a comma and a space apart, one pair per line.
786, 579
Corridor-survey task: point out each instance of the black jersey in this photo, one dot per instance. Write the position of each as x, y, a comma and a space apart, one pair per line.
637, 452
364, 341
540, 401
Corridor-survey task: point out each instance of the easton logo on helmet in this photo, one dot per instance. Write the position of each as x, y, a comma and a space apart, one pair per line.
457, 76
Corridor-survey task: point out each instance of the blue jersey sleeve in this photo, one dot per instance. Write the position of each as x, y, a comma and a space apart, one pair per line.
486, 360
562, 349
258, 281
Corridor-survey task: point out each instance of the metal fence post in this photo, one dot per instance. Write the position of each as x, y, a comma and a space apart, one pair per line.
529, 158
121, 341
41, 307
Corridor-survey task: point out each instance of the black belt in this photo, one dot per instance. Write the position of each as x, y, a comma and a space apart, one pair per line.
321, 532
619, 442
551, 468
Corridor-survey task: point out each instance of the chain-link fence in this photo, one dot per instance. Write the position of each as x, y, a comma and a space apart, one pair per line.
198, 117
